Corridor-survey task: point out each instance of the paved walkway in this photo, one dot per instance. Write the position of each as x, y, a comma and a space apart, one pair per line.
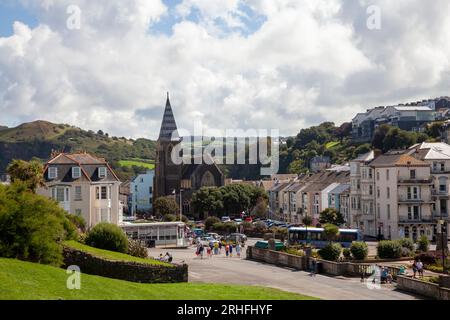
220, 269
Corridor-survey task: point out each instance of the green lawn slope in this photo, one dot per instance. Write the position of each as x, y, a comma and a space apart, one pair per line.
111, 255
21, 280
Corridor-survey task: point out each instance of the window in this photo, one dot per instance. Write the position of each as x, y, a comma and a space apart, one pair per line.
102, 172
78, 193
388, 192
60, 194
412, 174
150, 190
142, 180
378, 192
52, 172
388, 209
378, 175
413, 193
76, 172
413, 213
387, 174
104, 193
442, 184
370, 190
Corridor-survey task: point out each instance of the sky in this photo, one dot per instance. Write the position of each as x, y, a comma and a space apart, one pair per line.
228, 64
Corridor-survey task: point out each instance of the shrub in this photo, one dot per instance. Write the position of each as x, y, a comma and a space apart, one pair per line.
228, 227
210, 222
136, 249
32, 227
426, 258
169, 218
388, 249
407, 243
359, 250
294, 252
78, 222
347, 253
107, 236
247, 226
260, 227
423, 244
331, 252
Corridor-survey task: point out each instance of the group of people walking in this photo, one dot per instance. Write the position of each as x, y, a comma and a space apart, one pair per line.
216, 248
417, 268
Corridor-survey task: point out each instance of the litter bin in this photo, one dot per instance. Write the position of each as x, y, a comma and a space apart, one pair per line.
319, 267
151, 243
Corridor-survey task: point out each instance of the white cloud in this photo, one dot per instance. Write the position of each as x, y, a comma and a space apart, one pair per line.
309, 62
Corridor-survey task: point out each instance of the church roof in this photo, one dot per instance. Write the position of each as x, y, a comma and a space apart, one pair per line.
169, 129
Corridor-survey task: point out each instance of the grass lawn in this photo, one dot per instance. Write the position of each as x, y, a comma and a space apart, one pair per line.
139, 163
332, 144
111, 255
21, 280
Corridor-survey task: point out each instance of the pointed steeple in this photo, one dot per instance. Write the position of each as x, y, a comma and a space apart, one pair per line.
169, 126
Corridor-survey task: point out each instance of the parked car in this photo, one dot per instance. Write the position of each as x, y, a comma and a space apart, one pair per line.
238, 220
213, 235
205, 241
249, 219
226, 219
237, 237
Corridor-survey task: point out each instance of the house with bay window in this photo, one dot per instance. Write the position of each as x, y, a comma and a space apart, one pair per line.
83, 185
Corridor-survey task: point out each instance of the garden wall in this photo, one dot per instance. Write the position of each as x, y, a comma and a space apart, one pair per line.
276, 258
124, 270
427, 289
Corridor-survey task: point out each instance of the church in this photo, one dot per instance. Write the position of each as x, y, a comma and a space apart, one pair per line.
180, 180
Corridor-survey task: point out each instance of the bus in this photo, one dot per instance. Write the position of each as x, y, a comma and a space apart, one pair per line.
316, 238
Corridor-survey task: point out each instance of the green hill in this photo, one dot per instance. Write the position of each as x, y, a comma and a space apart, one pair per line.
37, 140
21, 280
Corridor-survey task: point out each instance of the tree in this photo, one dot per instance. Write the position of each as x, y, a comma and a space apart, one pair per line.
330, 232
260, 209
297, 167
32, 227
31, 173
379, 135
362, 149
210, 221
207, 201
307, 220
332, 216
166, 205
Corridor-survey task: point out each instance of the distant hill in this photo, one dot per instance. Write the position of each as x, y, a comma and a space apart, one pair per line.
3, 128
39, 138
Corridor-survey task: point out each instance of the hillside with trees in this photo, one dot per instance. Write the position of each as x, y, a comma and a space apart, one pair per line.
39, 138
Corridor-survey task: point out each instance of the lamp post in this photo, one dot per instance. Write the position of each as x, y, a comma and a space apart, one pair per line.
443, 244
181, 205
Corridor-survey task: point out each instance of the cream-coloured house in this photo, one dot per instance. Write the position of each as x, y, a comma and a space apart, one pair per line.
83, 185
403, 199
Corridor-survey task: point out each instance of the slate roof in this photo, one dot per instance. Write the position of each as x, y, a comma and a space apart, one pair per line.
397, 160
169, 129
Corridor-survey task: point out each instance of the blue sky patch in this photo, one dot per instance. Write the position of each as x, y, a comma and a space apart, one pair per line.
11, 11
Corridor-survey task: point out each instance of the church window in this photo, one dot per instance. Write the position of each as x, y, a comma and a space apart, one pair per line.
208, 180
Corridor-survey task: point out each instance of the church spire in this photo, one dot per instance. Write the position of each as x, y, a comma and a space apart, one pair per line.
168, 127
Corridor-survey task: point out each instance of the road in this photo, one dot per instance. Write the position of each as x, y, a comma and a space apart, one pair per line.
220, 269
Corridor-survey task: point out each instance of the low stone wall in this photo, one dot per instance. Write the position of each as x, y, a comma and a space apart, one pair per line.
124, 270
276, 258
427, 289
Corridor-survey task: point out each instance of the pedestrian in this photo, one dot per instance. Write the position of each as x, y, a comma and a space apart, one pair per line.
238, 250
419, 266
201, 252
208, 252
414, 267
220, 247
231, 250
389, 278
216, 248
227, 249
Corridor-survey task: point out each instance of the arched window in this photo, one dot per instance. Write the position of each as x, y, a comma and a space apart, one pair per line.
208, 180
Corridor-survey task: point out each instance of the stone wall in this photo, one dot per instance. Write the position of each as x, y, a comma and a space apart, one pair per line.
427, 289
124, 270
276, 258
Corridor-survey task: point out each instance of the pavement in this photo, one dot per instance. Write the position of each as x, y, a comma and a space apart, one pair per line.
220, 269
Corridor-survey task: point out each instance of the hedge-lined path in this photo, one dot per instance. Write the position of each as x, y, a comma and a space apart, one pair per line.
220, 269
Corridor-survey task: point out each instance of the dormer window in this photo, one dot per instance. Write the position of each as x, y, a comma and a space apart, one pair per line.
102, 172
52, 172
76, 172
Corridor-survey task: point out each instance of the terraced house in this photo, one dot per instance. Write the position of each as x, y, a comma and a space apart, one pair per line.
83, 185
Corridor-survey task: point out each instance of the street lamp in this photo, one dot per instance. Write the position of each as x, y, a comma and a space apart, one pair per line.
443, 243
181, 205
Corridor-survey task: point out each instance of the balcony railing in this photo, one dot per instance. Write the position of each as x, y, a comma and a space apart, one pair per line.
409, 180
408, 219
406, 199
439, 193
437, 215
